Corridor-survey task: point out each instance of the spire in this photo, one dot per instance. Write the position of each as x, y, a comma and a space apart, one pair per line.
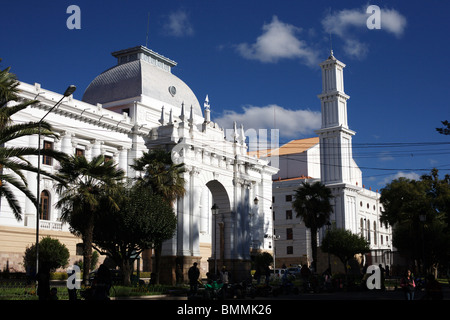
235, 132
207, 110
331, 50
191, 117
170, 117
206, 104
162, 120
242, 134
182, 117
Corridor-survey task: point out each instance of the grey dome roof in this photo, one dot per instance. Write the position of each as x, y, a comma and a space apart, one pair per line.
146, 74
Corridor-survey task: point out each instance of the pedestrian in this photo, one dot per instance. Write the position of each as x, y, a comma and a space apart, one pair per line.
193, 274
433, 289
257, 275
408, 285
102, 283
43, 289
224, 276
382, 271
179, 274
53, 294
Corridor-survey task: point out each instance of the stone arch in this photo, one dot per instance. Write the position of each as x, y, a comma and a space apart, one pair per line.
220, 224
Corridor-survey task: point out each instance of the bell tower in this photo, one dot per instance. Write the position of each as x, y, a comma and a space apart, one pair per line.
335, 137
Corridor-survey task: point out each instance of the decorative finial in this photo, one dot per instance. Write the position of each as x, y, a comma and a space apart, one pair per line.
170, 117
207, 110
206, 104
162, 120
182, 111
191, 117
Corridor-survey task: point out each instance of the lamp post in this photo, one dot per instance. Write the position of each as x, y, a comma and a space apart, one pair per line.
423, 219
215, 212
70, 90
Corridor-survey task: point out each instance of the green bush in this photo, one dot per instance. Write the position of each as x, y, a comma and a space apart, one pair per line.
52, 255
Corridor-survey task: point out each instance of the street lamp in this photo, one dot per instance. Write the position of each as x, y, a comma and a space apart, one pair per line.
215, 212
423, 219
67, 93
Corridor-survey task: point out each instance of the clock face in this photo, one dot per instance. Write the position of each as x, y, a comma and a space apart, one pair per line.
172, 90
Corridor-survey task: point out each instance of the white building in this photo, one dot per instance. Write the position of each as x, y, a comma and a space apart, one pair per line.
327, 158
130, 108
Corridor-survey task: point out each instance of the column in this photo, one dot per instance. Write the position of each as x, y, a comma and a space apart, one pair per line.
123, 159
66, 143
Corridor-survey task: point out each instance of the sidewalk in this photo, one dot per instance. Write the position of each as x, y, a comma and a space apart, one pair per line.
368, 295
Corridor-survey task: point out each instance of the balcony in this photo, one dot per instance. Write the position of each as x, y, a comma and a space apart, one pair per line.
50, 225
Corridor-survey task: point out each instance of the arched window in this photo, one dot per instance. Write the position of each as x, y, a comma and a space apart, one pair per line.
361, 226
45, 205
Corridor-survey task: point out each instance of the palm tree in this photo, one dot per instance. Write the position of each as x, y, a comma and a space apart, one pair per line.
161, 175
13, 160
313, 204
164, 178
88, 187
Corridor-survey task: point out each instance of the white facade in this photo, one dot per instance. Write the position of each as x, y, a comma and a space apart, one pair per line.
354, 208
133, 107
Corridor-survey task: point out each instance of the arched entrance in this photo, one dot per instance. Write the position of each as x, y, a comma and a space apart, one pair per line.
215, 210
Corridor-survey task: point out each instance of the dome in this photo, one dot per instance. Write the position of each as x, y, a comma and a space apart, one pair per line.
141, 71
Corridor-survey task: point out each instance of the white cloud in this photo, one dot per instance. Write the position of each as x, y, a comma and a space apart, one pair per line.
278, 41
393, 22
386, 156
339, 22
178, 24
401, 174
347, 22
291, 123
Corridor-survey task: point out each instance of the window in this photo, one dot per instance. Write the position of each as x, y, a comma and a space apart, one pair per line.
79, 152
108, 158
289, 234
45, 205
288, 197
288, 214
48, 145
289, 250
375, 232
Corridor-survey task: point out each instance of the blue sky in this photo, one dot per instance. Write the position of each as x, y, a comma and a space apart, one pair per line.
257, 59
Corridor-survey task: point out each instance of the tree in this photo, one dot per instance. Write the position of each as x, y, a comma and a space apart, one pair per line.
313, 204
144, 219
164, 178
88, 187
161, 174
418, 211
52, 255
445, 129
13, 160
344, 245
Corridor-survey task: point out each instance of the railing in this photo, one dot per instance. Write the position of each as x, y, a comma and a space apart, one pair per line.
50, 225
